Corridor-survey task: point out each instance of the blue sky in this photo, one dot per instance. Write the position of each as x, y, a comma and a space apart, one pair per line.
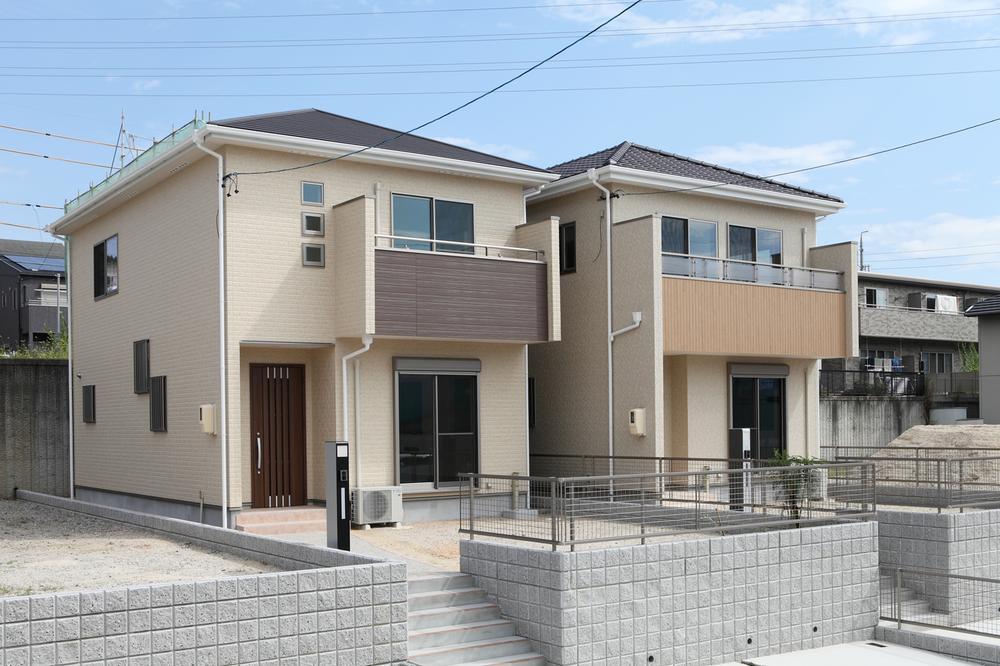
930, 211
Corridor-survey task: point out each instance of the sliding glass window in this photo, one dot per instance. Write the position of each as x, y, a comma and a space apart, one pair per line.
416, 218
696, 238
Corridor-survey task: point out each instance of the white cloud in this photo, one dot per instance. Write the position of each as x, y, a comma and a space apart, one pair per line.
734, 22
930, 236
148, 84
997, 182
764, 159
515, 153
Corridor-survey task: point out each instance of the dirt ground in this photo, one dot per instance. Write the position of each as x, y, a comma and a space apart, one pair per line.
45, 549
950, 436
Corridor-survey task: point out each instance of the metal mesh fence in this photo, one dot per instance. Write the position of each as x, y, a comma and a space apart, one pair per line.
936, 599
561, 511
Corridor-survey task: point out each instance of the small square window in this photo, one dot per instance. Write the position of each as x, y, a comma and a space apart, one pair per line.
313, 254
313, 224
312, 194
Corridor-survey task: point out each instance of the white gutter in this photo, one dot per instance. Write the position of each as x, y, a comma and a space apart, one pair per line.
636, 322
69, 366
345, 431
592, 175
198, 139
528, 192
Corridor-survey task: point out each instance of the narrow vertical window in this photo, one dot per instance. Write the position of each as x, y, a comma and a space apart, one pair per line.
567, 247
106, 267
89, 404
158, 404
140, 365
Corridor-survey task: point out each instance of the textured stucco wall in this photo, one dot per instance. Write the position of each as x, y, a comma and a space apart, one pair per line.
34, 427
916, 324
702, 601
336, 608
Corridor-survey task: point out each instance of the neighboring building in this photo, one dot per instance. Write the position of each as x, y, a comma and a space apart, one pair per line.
987, 314
33, 297
417, 248
738, 305
915, 324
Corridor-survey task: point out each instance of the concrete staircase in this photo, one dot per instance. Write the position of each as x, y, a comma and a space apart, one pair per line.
287, 520
914, 609
451, 623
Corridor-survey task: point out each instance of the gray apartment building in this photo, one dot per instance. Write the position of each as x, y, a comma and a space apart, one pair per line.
32, 291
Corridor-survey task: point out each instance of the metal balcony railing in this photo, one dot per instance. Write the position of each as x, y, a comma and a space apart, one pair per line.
389, 241
968, 604
734, 270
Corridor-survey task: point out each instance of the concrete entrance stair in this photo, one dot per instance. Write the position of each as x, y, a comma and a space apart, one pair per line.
914, 609
286, 520
452, 623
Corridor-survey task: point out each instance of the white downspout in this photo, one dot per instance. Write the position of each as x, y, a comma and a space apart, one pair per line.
69, 366
223, 388
592, 175
345, 430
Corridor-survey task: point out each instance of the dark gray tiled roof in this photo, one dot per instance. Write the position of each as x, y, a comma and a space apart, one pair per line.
987, 306
28, 248
633, 156
325, 126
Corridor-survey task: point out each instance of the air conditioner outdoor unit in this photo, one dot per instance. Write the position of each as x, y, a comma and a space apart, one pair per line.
374, 506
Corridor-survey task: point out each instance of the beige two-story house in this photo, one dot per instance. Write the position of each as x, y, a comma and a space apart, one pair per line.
231, 311
719, 309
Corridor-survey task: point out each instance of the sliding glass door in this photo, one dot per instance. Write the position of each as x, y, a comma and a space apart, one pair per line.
759, 403
438, 427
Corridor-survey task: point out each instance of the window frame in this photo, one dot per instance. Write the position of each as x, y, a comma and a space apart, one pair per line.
877, 290
687, 235
158, 401
313, 264
103, 245
89, 403
322, 224
564, 267
755, 244
433, 240
140, 367
302, 193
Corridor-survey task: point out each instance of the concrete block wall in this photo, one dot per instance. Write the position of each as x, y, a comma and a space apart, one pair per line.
965, 647
699, 601
966, 544
336, 608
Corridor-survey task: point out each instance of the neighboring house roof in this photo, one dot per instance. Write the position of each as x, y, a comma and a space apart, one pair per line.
27, 248
24, 264
988, 306
326, 126
634, 156
864, 276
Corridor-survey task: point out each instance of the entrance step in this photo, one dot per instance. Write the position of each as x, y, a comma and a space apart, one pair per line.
451, 622
288, 520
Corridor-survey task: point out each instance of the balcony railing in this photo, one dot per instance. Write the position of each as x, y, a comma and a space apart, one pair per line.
905, 308
48, 297
734, 270
457, 247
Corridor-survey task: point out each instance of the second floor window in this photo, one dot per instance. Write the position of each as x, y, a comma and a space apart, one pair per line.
567, 247
757, 245
875, 297
106, 267
696, 237
416, 218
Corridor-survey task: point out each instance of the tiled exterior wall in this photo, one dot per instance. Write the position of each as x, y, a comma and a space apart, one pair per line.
337, 608
687, 602
974, 649
916, 324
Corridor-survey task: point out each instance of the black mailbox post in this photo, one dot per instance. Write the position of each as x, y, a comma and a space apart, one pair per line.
338, 496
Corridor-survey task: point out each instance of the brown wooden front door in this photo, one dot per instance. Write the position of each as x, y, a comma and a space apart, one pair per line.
278, 435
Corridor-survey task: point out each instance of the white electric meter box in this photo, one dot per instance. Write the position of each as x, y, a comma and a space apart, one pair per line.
637, 422
206, 417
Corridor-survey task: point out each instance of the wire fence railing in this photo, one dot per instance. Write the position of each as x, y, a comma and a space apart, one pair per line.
570, 511
938, 478
569, 464
871, 383
925, 598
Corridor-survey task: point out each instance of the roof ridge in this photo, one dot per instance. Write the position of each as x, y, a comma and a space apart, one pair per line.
623, 148
737, 172
583, 157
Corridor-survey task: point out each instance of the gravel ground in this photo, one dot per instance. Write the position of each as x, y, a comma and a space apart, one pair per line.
45, 549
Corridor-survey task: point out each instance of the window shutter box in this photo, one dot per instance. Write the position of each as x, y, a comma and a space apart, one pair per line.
140, 365
158, 404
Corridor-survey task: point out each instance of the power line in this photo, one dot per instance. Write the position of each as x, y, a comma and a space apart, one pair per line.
219, 68
51, 157
751, 178
412, 93
937, 256
456, 109
29, 205
934, 249
22, 226
390, 12
56, 136
409, 72
485, 37
967, 263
